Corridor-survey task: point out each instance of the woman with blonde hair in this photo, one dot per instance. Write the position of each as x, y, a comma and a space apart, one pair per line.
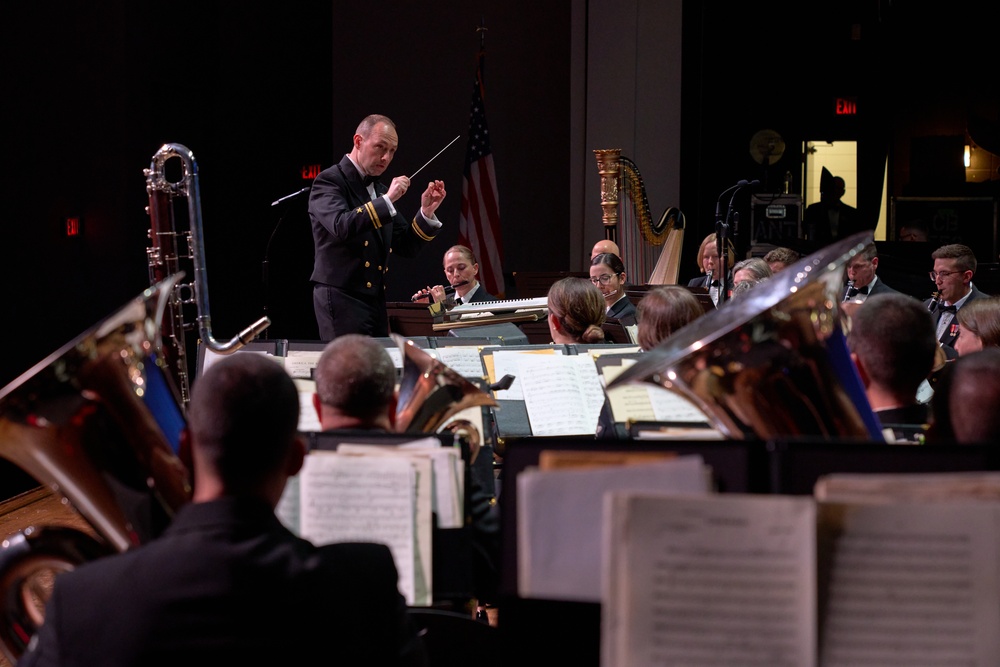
576, 311
710, 264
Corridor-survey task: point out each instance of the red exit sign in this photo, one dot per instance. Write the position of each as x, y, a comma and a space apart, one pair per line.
845, 106
310, 171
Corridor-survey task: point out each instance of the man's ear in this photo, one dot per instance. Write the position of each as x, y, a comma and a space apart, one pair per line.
393, 404
318, 407
865, 380
875, 263
296, 456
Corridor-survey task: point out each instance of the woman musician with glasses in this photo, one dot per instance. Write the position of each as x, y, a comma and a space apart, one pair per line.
607, 272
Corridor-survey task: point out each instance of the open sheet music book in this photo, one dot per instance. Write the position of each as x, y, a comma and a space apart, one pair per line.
379, 493
559, 531
785, 580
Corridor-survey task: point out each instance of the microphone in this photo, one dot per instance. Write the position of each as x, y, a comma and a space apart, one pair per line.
294, 194
449, 289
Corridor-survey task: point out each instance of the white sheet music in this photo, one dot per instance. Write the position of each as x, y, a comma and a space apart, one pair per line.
299, 363
308, 417
639, 402
563, 394
505, 362
500, 306
559, 531
463, 359
912, 584
367, 499
716, 580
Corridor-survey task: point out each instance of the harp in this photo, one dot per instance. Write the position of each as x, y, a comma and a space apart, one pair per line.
650, 249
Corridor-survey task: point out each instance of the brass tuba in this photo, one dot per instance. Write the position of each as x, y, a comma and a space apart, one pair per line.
430, 393
173, 239
773, 363
98, 424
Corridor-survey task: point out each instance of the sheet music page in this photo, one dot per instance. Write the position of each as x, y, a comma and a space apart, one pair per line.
909, 487
363, 499
300, 363
559, 531
396, 355
506, 362
287, 509
909, 584
211, 357
447, 468
647, 402
630, 401
563, 394
715, 580
463, 359
669, 406
308, 417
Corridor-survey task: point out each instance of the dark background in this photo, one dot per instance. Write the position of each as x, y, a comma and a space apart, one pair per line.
258, 93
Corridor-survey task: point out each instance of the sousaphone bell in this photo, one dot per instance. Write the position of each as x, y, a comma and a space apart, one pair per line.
773, 363
98, 423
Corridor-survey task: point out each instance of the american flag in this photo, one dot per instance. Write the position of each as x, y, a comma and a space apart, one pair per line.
479, 223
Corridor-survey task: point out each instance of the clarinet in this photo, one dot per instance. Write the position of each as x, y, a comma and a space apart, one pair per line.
935, 302
708, 284
847, 292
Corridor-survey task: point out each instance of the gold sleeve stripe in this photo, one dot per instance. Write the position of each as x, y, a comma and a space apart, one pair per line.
420, 232
370, 207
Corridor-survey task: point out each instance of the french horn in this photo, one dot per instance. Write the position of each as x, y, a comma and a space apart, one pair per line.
98, 423
774, 363
431, 393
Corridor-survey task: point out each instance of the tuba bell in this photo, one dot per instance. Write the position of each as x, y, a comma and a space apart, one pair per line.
774, 363
98, 424
430, 393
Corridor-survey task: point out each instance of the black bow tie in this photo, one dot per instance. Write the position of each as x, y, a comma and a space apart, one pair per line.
714, 283
860, 290
948, 309
368, 180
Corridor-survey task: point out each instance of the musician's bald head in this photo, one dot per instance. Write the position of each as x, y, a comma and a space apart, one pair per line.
605, 245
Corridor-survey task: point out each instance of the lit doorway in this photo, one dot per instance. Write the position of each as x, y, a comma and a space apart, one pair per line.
841, 159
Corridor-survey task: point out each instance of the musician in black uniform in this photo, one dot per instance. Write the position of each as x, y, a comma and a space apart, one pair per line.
954, 267
462, 271
356, 226
710, 264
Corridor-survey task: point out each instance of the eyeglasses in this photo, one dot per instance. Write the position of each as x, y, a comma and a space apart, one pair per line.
603, 279
944, 274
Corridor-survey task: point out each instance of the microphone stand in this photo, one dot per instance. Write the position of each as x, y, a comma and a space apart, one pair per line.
722, 232
267, 250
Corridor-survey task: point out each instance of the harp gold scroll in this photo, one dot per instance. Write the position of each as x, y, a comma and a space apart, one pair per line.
650, 249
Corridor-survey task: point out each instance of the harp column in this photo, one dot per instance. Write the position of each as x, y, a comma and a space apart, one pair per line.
609, 168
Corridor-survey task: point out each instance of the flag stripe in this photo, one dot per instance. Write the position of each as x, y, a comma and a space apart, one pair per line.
479, 222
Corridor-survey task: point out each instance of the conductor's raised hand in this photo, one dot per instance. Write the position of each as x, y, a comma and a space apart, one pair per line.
432, 198
398, 187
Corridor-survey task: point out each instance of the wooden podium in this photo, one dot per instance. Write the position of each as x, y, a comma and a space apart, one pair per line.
411, 319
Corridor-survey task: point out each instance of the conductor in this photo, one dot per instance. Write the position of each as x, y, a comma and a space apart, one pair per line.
356, 226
